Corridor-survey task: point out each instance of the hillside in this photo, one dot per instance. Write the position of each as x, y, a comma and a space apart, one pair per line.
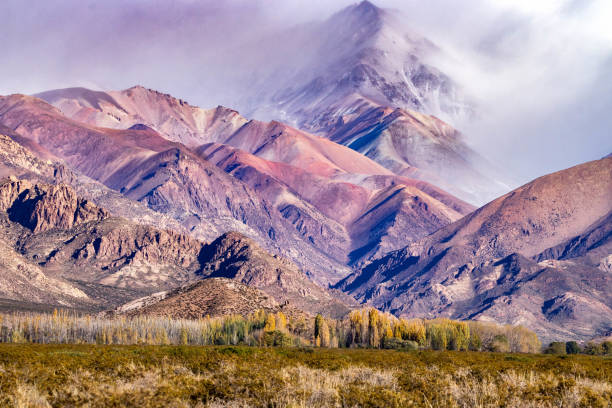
209, 297
61, 249
165, 176
485, 266
366, 80
324, 189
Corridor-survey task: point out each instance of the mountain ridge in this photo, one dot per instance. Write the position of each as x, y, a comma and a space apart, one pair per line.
459, 270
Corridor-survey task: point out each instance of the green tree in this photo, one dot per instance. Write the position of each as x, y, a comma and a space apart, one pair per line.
437, 336
571, 347
556, 347
475, 342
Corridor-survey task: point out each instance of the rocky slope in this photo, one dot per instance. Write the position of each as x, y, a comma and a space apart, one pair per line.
167, 177
419, 146
172, 117
210, 297
69, 239
237, 257
485, 266
24, 282
74, 249
351, 216
321, 187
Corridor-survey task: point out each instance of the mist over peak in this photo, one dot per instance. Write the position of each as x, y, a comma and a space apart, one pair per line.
510, 59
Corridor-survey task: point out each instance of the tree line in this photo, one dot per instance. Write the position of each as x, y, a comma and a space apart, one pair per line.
361, 328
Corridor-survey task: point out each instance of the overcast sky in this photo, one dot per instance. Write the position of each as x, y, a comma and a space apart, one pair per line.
540, 70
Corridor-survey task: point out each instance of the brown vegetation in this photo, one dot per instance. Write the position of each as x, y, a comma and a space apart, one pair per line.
229, 376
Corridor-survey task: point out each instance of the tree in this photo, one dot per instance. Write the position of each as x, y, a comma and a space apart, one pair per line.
356, 327
318, 328
556, 347
475, 342
184, 336
571, 347
270, 323
387, 332
437, 336
325, 340
281, 321
373, 337
415, 330
500, 344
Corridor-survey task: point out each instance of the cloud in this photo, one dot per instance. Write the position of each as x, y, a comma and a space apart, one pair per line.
540, 70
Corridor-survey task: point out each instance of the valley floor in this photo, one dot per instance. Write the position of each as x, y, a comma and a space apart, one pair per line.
33, 375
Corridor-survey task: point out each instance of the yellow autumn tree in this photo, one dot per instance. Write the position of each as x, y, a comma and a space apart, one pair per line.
281, 322
373, 337
270, 323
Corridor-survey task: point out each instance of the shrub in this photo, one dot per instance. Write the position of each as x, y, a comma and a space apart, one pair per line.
500, 344
556, 347
571, 347
392, 343
277, 338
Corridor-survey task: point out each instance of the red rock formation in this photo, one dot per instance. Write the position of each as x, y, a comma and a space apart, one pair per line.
48, 208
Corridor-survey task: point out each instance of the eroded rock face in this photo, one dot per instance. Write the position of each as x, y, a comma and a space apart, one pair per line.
78, 240
112, 260
41, 208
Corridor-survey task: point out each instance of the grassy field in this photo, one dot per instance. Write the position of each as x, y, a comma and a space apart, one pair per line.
34, 375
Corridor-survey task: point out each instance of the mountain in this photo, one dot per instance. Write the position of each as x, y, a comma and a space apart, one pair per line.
77, 254
324, 189
361, 51
72, 241
23, 283
19, 161
537, 256
421, 147
170, 116
166, 176
363, 79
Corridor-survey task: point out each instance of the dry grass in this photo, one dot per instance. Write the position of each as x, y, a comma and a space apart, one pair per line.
188, 376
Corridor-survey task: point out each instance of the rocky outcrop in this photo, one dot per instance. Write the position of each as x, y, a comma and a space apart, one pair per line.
76, 240
24, 281
237, 257
56, 233
52, 206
